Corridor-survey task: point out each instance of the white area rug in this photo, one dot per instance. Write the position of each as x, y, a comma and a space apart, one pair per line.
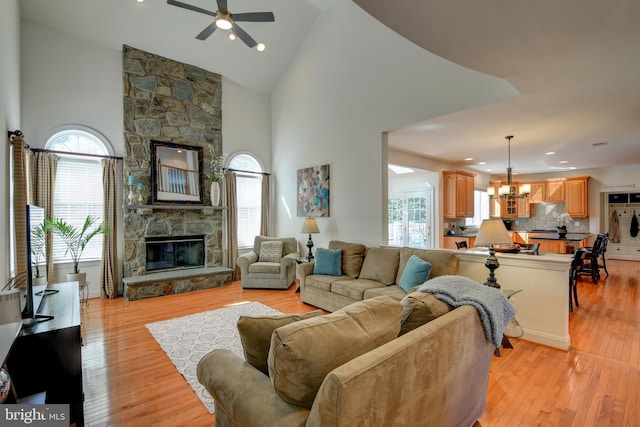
187, 339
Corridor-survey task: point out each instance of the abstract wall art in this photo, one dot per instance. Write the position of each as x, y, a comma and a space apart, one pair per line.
313, 191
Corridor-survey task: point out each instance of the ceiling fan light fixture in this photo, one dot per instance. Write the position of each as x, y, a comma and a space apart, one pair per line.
223, 21
261, 47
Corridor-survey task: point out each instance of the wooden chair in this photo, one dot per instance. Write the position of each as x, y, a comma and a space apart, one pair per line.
574, 273
462, 245
530, 248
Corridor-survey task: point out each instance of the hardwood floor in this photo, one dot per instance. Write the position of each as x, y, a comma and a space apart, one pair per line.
129, 381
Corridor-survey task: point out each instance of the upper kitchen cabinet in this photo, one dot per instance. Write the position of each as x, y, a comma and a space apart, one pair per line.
576, 191
538, 192
458, 194
555, 190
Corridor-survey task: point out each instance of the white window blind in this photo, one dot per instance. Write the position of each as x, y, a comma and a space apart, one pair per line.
249, 202
78, 193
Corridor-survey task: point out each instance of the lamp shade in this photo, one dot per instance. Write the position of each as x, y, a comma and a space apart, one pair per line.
493, 232
310, 226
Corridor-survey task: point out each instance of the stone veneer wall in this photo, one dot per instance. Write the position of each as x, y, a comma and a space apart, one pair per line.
165, 100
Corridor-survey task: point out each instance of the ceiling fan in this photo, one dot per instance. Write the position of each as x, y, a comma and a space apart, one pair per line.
225, 20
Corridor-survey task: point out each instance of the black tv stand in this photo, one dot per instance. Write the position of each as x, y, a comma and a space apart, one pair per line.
46, 356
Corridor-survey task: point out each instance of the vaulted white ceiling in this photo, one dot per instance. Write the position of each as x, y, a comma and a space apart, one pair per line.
574, 64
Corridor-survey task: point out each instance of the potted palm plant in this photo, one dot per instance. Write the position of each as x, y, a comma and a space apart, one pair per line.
38, 243
76, 240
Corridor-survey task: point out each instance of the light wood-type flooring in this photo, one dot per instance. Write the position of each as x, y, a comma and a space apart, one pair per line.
129, 381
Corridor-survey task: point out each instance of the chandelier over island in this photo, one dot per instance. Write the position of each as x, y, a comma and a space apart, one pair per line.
509, 191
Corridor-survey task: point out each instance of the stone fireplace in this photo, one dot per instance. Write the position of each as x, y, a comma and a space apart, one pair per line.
168, 101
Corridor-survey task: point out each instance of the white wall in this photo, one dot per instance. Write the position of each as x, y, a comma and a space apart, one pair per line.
66, 80
9, 114
343, 89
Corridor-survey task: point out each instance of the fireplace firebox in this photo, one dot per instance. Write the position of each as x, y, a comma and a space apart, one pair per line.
174, 253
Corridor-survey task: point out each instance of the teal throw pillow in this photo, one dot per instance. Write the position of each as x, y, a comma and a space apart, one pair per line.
328, 262
415, 273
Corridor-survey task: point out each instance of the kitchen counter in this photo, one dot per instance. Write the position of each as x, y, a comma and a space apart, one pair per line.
570, 237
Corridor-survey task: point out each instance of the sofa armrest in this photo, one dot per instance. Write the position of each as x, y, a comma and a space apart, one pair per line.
245, 260
246, 394
305, 269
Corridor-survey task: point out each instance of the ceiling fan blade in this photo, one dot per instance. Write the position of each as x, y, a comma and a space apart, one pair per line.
246, 38
209, 29
222, 6
188, 6
254, 17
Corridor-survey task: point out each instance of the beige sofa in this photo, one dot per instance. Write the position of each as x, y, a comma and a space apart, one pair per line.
269, 275
367, 273
434, 375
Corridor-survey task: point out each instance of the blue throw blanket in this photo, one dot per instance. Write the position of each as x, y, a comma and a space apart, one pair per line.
494, 308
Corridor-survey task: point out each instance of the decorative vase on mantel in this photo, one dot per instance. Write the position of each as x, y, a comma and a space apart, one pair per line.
215, 193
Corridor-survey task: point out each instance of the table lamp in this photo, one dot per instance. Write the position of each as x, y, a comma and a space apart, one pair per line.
310, 226
492, 232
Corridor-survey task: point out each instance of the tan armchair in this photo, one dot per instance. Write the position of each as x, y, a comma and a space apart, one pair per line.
269, 275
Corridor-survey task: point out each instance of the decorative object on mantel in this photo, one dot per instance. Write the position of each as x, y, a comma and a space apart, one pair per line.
313, 191
76, 240
310, 226
225, 20
492, 232
563, 219
216, 171
132, 195
509, 191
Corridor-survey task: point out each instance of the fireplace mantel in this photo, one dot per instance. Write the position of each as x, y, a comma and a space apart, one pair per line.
148, 210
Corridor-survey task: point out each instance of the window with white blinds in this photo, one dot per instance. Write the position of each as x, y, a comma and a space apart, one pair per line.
78, 186
78, 193
248, 198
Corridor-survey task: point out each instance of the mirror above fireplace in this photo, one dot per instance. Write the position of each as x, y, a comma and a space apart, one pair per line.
176, 173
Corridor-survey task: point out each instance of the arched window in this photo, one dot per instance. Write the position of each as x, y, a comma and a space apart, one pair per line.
78, 186
249, 197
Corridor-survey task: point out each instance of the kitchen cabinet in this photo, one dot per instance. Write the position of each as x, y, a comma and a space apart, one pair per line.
508, 208
523, 207
555, 190
458, 194
450, 241
576, 196
538, 191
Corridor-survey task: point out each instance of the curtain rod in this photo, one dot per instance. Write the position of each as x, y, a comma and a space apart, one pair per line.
42, 150
255, 173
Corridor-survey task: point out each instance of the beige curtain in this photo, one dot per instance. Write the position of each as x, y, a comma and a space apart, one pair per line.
45, 166
231, 224
20, 200
265, 213
110, 272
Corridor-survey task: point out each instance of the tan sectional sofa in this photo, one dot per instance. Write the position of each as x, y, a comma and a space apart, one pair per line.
434, 375
367, 273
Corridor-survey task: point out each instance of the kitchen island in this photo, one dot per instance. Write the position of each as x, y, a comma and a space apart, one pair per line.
551, 242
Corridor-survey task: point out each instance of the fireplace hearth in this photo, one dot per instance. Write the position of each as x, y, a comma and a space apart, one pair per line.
175, 253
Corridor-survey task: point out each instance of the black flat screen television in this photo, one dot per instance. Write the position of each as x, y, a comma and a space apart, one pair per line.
36, 261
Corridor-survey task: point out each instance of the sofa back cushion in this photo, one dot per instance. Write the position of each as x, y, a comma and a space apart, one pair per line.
303, 353
255, 335
419, 308
443, 262
381, 265
352, 256
289, 244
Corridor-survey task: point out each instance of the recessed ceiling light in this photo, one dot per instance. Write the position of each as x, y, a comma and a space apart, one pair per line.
140, 1
261, 47
482, 163
562, 162
489, 170
572, 167
232, 36
550, 153
468, 159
